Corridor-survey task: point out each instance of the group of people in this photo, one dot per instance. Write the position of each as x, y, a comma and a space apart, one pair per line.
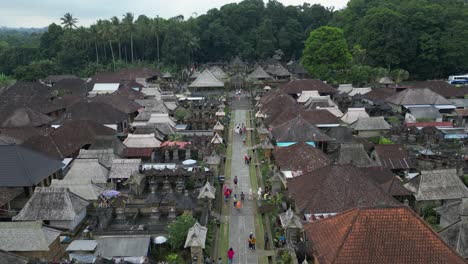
247, 158
240, 129
227, 191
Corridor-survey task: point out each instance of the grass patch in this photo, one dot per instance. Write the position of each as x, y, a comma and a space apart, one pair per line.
223, 238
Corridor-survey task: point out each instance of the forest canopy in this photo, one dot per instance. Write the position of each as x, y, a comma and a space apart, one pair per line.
425, 37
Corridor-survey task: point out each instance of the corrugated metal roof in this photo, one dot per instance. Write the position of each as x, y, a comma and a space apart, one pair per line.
106, 87
82, 245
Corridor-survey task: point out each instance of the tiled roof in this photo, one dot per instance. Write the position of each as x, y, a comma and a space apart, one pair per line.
316, 117
441, 87
95, 111
300, 157
429, 124
354, 154
298, 130
297, 86
119, 102
378, 235
393, 156
371, 123
336, 188
417, 97
379, 94
138, 152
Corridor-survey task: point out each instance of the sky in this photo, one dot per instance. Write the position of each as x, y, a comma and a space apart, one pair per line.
41, 13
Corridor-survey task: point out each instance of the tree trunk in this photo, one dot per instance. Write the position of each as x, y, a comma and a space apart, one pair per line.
157, 46
97, 52
120, 51
131, 45
112, 53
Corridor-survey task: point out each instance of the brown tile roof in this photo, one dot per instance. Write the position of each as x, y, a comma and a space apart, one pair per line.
387, 181
316, 117
69, 138
137, 152
298, 130
297, 86
378, 235
129, 93
125, 75
95, 111
300, 157
119, 102
336, 188
23, 117
276, 102
393, 156
76, 87
20, 134
441, 87
379, 94
418, 97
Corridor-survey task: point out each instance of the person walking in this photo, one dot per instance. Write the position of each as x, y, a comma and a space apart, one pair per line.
235, 181
250, 240
230, 255
239, 205
235, 200
254, 240
242, 196
246, 158
250, 159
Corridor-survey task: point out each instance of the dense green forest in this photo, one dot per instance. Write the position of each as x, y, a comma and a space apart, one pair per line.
428, 38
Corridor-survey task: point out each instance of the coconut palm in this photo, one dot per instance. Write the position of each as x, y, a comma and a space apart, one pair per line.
130, 26
68, 21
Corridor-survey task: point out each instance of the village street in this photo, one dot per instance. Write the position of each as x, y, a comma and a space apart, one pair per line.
241, 222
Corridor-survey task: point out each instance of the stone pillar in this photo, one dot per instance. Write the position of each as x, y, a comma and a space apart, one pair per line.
172, 214
197, 255
167, 157
155, 214
120, 215
175, 155
188, 154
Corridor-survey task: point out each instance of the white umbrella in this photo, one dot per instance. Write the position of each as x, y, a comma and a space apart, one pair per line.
189, 162
160, 240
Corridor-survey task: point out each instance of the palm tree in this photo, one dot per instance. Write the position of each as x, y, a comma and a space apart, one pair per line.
128, 22
95, 33
68, 21
157, 30
107, 32
116, 24
193, 45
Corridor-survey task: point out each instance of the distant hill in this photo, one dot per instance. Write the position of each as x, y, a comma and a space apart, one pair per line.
24, 30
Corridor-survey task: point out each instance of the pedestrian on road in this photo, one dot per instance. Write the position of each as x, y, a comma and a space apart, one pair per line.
220, 260
239, 205
254, 240
235, 181
207, 260
246, 158
250, 159
250, 240
242, 196
230, 255
235, 200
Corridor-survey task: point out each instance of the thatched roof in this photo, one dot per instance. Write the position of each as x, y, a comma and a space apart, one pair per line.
354, 114
418, 97
218, 73
52, 204
207, 192
259, 74
196, 236
89, 170
124, 168
355, 154
371, 123
26, 236
206, 80
82, 188
298, 130
23, 116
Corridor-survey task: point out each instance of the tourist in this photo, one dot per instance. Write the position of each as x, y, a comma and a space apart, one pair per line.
239, 205
250, 240
235, 181
230, 255
207, 260
242, 196
220, 260
253, 241
250, 159
235, 200
246, 158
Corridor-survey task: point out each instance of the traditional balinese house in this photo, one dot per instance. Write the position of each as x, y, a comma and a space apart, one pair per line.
103, 114
299, 130
121, 103
141, 146
296, 87
292, 226
436, 188
130, 91
196, 240
394, 157
278, 71
30, 240
122, 169
53, 79
206, 82
306, 95
322, 191
388, 182
259, 74
217, 139
454, 220
23, 117
56, 207
317, 102
367, 127
353, 115
354, 154
104, 156
141, 75
82, 250
83, 188
218, 73
419, 98
133, 249
88, 170
319, 118
24, 168
339, 239
213, 161
440, 87
297, 70
299, 158
378, 95
68, 139
218, 128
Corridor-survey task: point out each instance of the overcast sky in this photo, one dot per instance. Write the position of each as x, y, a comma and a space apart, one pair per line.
41, 13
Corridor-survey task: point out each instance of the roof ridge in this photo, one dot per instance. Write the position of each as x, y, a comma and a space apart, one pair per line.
25, 168
350, 228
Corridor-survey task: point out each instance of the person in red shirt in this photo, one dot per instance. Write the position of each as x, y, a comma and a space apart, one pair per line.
230, 255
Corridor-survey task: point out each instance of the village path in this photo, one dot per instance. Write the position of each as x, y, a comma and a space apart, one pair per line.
241, 222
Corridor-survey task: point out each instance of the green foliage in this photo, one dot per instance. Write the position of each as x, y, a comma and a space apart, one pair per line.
178, 230
5, 80
36, 70
399, 75
465, 179
430, 215
385, 141
393, 120
326, 53
182, 113
172, 258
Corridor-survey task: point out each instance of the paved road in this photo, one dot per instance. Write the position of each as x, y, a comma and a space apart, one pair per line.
241, 223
